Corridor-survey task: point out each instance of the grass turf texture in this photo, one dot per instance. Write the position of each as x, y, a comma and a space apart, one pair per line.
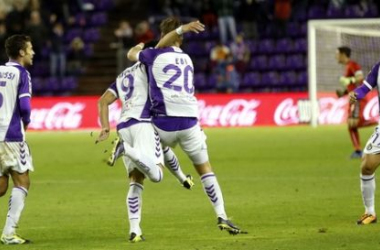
291, 188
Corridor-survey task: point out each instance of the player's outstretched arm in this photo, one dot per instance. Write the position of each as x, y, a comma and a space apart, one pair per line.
105, 100
133, 52
172, 36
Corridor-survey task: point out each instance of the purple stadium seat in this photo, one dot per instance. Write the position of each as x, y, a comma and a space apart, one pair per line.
196, 49
72, 33
299, 16
53, 84
266, 46
334, 12
284, 45
252, 79
296, 62
98, 19
302, 78
88, 50
200, 82
38, 84
209, 45
201, 64
293, 29
316, 12
259, 63
91, 35
270, 78
288, 78
300, 45
252, 44
69, 84
277, 62
212, 81
372, 11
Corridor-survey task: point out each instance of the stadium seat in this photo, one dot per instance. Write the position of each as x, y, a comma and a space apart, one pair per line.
98, 19
72, 33
334, 12
302, 78
53, 85
200, 81
284, 45
293, 29
316, 12
252, 79
266, 46
91, 35
300, 45
296, 62
270, 78
277, 62
288, 78
353, 11
259, 63
196, 48
68, 84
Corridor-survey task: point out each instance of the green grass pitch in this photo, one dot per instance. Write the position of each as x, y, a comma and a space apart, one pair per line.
290, 188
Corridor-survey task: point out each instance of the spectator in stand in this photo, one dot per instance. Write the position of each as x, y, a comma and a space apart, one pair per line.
282, 12
57, 51
208, 15
124, 35
241, 54
169, 8
143, 33
226, 19
16, 19
248, 16
219, 54
75, 56
227, 77
38, 32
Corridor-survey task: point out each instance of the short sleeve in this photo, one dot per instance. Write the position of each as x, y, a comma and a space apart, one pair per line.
113, 89
373, 76
147, 56
25, 87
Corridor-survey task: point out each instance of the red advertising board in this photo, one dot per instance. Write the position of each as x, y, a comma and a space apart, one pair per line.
235, 110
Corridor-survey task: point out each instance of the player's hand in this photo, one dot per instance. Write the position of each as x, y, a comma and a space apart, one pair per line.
353, 97
195, 27
104, 134
344, 81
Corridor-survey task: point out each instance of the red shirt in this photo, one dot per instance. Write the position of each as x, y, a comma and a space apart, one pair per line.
352, 68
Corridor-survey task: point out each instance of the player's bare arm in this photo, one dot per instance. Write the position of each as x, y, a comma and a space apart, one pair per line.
105, 100
134, 51
172, 36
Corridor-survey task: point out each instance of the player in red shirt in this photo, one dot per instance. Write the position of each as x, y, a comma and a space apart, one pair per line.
352, 78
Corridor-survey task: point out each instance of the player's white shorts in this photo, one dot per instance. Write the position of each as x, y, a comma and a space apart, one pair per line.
15, 156
143, 138
373, 143
192, 141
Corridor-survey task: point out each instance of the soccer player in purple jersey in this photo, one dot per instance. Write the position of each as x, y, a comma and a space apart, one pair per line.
371, 157
138, 140
15, 157
175, 109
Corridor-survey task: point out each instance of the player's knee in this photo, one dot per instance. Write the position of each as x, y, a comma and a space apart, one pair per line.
157, 177
367, 168
3, 190
137, 176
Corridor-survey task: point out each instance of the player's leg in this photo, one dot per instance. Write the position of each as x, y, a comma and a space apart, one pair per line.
4, 180
18, 156
172, 163
193, 142
353, 122
371, 161
142, 144
134, 204
117, 151
16, 206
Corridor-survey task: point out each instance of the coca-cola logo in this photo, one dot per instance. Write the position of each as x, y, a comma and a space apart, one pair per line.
332, 110
63, 115
286, 113
371, 110
237, 112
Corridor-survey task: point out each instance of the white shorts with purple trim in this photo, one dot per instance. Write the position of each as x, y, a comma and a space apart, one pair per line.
373, 144
192, 141
142, 137
15, 156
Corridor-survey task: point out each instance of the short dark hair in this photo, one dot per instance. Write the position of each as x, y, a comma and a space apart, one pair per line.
14, 44
169, 24
345, 50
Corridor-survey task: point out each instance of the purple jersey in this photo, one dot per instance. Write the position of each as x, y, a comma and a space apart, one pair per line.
15, 94
171, 87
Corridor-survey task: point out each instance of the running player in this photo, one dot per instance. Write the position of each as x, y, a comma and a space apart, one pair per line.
175, 109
